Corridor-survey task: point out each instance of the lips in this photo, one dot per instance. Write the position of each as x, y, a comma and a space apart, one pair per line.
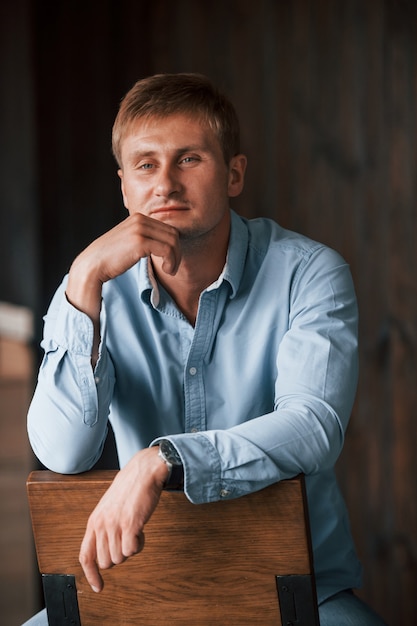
168, 209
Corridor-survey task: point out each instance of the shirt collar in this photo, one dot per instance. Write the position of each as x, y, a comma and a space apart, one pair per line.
237, 252
232, 271
148, 285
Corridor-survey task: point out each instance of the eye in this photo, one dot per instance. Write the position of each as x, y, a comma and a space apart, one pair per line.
189, 160
146, 166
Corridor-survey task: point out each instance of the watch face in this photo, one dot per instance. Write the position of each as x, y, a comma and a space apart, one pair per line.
169, 452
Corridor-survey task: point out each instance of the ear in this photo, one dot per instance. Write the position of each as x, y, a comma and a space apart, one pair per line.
237, 168
120, 175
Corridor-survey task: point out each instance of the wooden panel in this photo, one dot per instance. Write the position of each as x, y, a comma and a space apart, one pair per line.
216, 561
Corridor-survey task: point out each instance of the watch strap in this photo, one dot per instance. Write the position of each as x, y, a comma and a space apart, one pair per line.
169, 454
175, 480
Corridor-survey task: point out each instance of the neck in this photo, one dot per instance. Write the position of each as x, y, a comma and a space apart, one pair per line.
201, 264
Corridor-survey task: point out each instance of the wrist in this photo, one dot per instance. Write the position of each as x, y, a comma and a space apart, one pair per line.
84, 290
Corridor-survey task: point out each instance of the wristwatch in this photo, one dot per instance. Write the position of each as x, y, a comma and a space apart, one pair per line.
168, 453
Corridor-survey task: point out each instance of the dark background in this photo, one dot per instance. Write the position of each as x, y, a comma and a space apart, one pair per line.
326, 93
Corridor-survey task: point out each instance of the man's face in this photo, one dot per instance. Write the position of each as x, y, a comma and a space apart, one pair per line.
173, 170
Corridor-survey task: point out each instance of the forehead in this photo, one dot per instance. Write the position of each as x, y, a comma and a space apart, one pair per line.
171, 133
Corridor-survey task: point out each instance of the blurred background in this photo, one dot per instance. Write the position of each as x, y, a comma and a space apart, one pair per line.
326, 93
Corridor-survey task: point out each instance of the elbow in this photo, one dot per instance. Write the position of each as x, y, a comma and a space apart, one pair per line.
326, 447
59, 460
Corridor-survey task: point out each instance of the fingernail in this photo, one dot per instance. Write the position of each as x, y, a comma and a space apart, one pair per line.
95, 589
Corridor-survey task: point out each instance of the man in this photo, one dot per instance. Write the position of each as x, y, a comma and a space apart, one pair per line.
223, 351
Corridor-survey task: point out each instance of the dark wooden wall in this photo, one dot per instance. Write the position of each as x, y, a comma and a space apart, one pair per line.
326, 92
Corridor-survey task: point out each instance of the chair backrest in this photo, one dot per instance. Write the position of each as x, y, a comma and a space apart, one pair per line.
242, 561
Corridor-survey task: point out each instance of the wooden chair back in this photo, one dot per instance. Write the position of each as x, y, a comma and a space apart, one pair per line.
242, 561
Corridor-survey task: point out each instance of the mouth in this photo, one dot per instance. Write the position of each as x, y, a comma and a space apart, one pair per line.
164, 210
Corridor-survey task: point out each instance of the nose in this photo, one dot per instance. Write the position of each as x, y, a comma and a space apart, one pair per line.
168, 181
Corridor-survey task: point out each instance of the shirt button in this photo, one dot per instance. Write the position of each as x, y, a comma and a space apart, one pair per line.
97, 380
193, 371
224, 493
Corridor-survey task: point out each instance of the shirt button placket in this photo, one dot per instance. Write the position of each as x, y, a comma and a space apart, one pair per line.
195, 416
194, 394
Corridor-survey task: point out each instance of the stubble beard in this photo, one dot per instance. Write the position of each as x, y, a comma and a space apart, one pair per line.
194, 240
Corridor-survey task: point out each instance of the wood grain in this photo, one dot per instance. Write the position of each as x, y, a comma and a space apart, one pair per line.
207, 564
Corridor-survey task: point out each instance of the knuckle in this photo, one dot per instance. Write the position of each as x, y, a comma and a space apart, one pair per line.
119, 559
105, 562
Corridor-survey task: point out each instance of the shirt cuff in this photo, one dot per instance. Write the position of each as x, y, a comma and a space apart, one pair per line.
73, 330
202, 468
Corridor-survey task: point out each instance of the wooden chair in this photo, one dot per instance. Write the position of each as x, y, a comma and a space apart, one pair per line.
237, 562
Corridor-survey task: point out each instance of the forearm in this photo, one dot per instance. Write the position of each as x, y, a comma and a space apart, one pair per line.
67, 420
84, 291
223, 464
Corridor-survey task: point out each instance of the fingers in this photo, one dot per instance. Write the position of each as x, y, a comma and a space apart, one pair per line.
159, 240
87, 559
116, 549
132, 544
102, 552
170, 263
138, 236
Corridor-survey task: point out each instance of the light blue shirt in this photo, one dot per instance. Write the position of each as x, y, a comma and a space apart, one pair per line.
259, 390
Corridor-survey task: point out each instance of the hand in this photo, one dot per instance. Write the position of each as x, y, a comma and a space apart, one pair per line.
121, 247
115, 528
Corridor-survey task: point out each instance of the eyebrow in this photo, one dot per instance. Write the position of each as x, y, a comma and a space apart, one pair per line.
151, 152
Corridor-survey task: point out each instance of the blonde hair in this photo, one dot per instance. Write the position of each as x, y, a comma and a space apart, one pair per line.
162, 95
